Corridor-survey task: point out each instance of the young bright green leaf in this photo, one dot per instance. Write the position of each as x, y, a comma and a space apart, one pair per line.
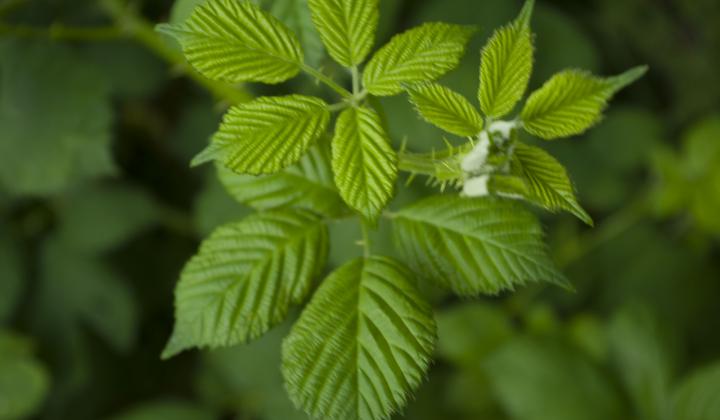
420, 54
364, 164
507, 62
267, 134
571, 102
347, 27
697, 396
361, 345
235, 41
308, 184
475, 245
446, 109
245, 277
548, 183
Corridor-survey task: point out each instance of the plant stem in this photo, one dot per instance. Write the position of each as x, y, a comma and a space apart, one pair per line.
327, 80
58, 31
366, 236
355, 80
138, 28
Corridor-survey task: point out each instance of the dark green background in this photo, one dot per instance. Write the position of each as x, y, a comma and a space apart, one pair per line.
99, 211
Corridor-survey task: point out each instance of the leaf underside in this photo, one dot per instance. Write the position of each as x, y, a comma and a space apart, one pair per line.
361, 345
308, 184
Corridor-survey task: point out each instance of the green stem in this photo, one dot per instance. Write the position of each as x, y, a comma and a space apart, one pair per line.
355, 80
366, 237
58, 31
327, 80
143, 32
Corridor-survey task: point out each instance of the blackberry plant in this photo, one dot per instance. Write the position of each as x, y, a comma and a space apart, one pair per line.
364, 340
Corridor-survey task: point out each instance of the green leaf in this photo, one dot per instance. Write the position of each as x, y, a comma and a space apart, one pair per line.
538, 380
94, 297
474, 245
446, 109
347, 27
548, 183
235, 41
696, 397
296, 15
308, 184
167, 409
418, 55
267, 134
470, 332
55, 121
249, 377
642, 358
84, 212
364, 164
245, 277
507, 62
361, 345
11, 276
571, 102
24, 382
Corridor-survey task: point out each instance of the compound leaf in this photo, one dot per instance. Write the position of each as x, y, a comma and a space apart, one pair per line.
307, 184
267, 134
507, 62
571, 102
361, 345
245, 277
364, 164
235, 41
418, 55
475, 245
446, 109
347, 27
548, 183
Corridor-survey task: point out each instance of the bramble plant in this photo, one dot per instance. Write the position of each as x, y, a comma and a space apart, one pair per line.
364, 341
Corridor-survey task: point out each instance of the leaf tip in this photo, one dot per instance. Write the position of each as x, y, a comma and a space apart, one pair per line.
210, 153
174, 346
525, 15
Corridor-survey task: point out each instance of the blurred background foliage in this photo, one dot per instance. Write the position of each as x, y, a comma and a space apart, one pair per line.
99, 210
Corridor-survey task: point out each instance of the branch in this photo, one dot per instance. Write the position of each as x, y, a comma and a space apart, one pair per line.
141, 30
